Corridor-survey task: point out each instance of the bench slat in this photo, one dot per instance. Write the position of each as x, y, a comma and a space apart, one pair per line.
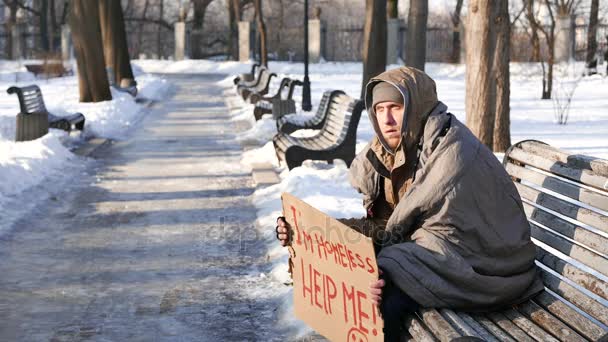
493, 328
599, 166
548, 322
418, 331
574, 296
570, 210
461, 326
581, 235
480, 329
508, 326
585, 256
438, 325
586, 196
582, 278
583, 176
528, 326
571, 317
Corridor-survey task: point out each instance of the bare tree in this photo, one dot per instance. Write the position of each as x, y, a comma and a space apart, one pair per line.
591, 60
393, 8
415, 50
374, 40
480, 86
233, 42
456, 45
531, 17
200, 8
259, 16
88, 47
502, 127
115, 47
159, 32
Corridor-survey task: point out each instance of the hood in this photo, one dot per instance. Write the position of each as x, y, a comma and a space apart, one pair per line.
420, 97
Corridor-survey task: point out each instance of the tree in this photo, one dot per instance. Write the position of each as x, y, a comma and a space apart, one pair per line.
200, 8
393, 9
415, 50
374, 40
502, 127
591, 60
456, 46
88, 47
233, 41
480, 87
115, 47
259, 16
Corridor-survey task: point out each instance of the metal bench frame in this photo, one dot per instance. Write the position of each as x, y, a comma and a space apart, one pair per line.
336, 140
261, 86
565, 197
287, 125
31, 101
276, 104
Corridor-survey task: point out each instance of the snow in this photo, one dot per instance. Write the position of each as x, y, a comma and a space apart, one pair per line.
24, 165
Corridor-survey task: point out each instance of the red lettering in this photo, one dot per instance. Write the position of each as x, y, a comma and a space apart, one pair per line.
351, 259
342, 255
331, 291
371, 268
321, 245
349, 296
316, 275
304, 287
295, 223
362, 314
360, 262
307, 241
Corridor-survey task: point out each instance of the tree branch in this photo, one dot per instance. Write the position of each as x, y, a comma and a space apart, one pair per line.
159, 22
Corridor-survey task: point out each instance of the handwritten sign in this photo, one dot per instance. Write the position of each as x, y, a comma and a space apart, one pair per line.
333, 267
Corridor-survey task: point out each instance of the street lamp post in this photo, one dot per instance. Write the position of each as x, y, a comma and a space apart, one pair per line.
306, 105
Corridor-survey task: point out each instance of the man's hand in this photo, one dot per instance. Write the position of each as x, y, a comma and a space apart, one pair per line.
283, 231
375, 289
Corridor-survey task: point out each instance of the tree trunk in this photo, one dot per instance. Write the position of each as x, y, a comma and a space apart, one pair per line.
115, 47
233, 36
415, 50
54, 32
480, 85
159, 33
259, 16
140, 32
393, 9
10, 26
456, 44
44, 25
86, 34
374, 41
196, 44
534, 28
502, 129
591, 60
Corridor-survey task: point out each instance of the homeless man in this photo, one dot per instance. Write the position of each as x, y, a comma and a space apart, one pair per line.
446, 220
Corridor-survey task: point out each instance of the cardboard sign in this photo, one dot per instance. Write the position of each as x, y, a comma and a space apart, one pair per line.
333, 267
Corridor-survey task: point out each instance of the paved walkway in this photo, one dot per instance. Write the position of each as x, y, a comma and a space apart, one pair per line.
146, 245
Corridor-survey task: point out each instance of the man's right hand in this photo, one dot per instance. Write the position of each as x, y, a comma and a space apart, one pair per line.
283, 231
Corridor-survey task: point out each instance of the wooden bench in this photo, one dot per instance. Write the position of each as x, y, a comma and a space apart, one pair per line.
246, 77
277, 105
336, 140
289, 125
565, 197
261, 87
32, 104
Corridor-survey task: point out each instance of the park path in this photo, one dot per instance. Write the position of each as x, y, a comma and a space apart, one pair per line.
155, 242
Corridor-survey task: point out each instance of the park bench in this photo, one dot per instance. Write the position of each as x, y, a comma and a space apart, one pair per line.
336, 139
261, 87
276, 104
34, 119
565, 197
290, 124
246, 77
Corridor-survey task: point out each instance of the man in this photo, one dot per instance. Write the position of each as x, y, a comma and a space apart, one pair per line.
447, 221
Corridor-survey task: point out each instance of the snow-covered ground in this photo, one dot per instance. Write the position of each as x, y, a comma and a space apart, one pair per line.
27, 164
326, 186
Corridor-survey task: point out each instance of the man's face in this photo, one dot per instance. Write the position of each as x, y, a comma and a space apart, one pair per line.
390, 119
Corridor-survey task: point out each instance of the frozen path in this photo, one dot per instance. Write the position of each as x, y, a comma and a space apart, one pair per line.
156, 242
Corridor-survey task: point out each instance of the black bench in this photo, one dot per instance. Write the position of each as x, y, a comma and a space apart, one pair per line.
246, 77
336, 139
289, 125
565, 197
31, 102
277, 105
261, 86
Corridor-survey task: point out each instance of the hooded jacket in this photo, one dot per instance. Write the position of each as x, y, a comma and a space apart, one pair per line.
456, 235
